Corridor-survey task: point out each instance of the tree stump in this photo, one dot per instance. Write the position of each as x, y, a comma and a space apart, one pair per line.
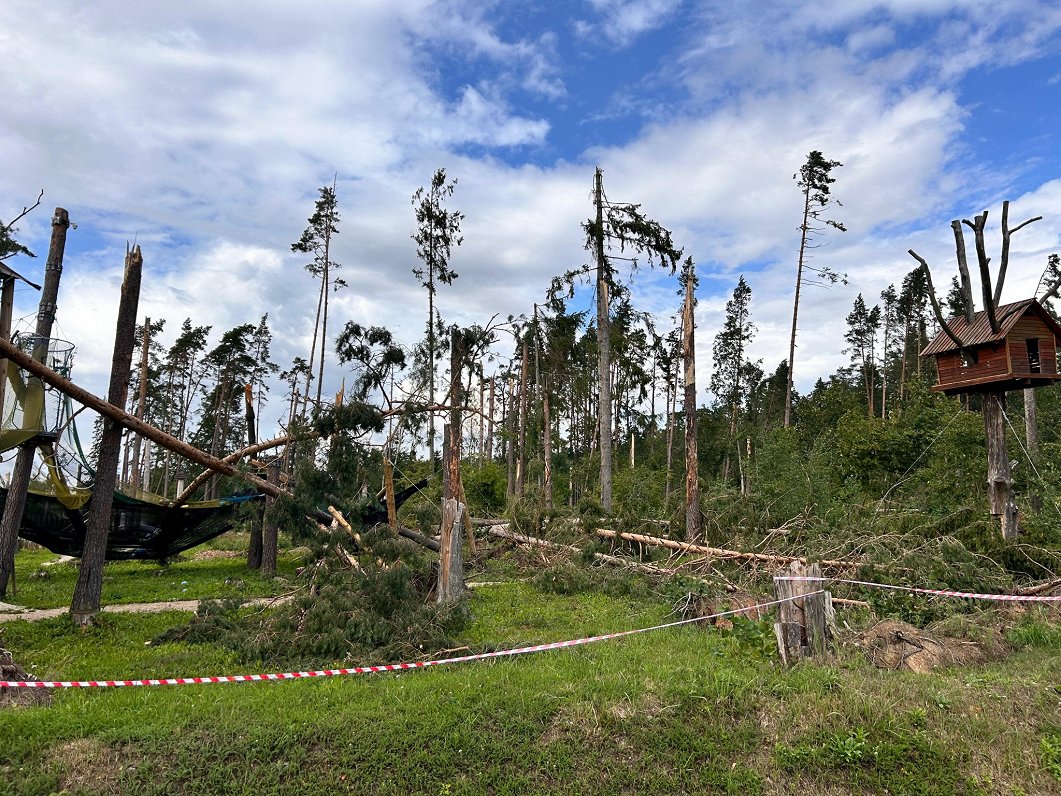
802, 628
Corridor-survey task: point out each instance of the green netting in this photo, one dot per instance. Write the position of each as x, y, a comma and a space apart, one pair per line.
28, 408
140, 529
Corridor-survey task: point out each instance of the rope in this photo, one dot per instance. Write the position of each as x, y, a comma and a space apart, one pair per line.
1028, 456
902, 477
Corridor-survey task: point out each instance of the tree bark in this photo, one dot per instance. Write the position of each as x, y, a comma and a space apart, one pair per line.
270, 532
692, 475
18, 485
141, 403
999, 477
521, 463
255, 548
89, 587
795, 305
604, 369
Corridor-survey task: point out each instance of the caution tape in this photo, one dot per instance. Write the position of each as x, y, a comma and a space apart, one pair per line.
1015, 598
387, 667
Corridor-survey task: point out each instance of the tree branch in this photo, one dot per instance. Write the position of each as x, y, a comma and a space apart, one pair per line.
936, 308
1006, 233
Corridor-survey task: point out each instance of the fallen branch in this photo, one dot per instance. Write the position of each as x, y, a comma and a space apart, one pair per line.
1040, 588
615, 561
717, 552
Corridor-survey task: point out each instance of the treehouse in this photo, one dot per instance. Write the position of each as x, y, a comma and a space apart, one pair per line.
1022, 353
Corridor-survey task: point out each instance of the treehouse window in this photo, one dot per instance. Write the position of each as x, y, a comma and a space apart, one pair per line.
1034, 363
967, 360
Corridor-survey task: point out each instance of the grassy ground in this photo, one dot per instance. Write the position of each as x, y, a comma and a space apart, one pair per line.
39, 583
686, 710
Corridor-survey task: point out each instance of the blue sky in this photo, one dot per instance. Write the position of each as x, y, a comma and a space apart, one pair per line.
203, 130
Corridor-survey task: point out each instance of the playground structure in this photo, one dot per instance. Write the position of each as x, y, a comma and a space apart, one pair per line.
143, 525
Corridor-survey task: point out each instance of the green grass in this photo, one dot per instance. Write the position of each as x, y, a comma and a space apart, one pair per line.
686, 710
40, 586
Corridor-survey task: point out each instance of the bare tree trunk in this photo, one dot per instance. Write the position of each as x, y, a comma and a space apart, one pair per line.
604, 370
450, 564
521, 465
999, 477
270, 532
86, 602
547, 446
692, 475
1031, 423
18, 486
255, 548
490, 424
795, 305
510, 443
672, 399
141, 403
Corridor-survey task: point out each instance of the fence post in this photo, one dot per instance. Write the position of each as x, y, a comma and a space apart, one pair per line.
802, 626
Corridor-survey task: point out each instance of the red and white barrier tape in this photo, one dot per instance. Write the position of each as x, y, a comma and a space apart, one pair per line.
389, 667
1021, 598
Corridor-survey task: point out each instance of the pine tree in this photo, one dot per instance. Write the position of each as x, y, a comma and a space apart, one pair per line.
861, 336
317, 240
437, 232
814, 180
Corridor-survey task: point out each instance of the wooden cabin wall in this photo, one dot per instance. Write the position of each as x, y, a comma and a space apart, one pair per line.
1027, 328
992, 360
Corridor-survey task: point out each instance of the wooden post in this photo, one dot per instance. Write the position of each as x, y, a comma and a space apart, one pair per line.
18, 486
802, 626
7, 300
86, 602
270, 532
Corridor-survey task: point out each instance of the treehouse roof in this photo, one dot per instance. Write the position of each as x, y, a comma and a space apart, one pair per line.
979, 332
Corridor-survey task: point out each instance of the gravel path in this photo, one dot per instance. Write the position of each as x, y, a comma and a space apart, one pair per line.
13, 613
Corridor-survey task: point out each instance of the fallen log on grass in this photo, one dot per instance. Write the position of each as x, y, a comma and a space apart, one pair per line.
717, 552
615, 561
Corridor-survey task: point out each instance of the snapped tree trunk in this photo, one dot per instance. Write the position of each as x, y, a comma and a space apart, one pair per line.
999, 477
89, 588
255, 547
18, 485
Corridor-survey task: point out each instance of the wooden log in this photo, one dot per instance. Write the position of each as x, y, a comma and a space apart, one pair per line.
717, 552
123, 418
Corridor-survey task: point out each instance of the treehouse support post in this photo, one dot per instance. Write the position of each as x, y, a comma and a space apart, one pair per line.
999, 474
23, 470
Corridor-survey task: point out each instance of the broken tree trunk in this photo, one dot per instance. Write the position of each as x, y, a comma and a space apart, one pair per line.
254, 547
716, 552
450, 564
89, 588
803, 617
999, 476
18, 485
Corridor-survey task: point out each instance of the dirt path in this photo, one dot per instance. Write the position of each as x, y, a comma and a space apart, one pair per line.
13, 613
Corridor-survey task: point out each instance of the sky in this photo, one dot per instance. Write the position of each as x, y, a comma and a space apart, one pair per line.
202, 131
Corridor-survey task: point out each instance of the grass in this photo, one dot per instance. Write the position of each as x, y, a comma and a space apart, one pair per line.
41, 584
685, 710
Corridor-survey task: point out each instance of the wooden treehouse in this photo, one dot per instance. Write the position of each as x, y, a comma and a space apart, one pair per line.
1021, 354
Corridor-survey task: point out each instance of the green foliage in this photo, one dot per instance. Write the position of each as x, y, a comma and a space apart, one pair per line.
1050, 745
485, 486
380, 611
